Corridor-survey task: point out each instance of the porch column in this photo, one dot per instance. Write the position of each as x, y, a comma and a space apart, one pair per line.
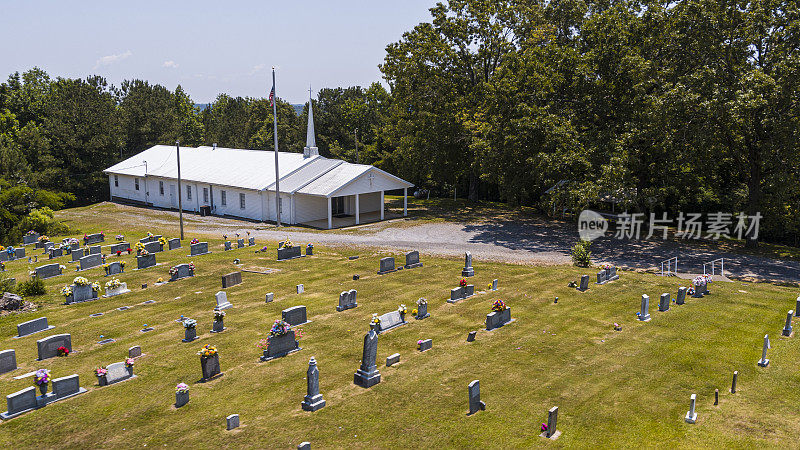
330, 214
358, 218
383, 205
405, 202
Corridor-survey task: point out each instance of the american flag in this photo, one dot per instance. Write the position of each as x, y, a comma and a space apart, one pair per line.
272, 96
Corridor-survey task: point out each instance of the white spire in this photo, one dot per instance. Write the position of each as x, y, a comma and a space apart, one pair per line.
311, 142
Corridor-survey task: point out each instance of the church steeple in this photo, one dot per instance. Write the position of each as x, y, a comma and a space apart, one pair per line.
311, 143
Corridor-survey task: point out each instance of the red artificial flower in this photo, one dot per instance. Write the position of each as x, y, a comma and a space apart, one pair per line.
63, 351
463, 282
119, 252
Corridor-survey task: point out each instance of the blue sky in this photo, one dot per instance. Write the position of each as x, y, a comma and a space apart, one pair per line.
208, 47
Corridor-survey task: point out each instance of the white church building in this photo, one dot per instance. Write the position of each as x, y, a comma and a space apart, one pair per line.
313, 190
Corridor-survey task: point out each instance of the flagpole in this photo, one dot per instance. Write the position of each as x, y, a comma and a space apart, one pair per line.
275, 133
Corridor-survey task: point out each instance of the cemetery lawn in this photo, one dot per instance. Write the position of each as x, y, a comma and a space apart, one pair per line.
613, 389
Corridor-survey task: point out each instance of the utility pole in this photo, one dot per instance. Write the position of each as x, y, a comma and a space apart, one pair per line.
180, 203
275, 133
358, 160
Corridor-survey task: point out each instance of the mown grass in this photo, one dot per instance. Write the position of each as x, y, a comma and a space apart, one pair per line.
620, 389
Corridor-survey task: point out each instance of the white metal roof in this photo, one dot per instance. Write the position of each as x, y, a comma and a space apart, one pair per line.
337, 180
250, 169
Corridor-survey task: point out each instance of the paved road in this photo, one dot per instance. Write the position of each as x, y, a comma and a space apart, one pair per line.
528, 241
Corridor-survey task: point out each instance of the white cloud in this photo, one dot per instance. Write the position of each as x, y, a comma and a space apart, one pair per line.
256, 69
170, 64
111, 59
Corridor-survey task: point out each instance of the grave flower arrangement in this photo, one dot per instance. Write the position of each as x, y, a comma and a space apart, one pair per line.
66, 291
189, 323
10, 250
162, 240
72, 241
80, 281
699, 280
498, 305
2, 248
30, 232
690, 290
43, 239
264, 249
149, 235
463, 282
62, 351
181, 388
140, 250
195, 241
207, 351
375, 319
3, 266
41, 377
62, 267
279, 328
96, 286
129, 362
119, 237
113, 284
219, 316
160, 280
402, 310
287, 244
100, 372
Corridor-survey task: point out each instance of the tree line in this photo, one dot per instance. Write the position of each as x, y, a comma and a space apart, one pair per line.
656, 106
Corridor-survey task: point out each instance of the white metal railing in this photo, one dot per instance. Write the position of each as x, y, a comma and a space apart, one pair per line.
714, 264
671, 267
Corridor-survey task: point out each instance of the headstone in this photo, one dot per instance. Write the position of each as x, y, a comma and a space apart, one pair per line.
304, 446
143, 262
48, 271
764, 362
471, 336
389, 321
584, 283
91, 261
56, 252
76, 255
468, 271
797, 307
114, 268
239, 243
174, 243
231, 279
601, 277
552, 424
181, 398
47, 246
475, 403
251, 241
30, 238
122, 289
313, 399
295, 315
232, 421
280, 346
612, 274
94, 238
681, 298
347, 300
48, 347
733, 384
716, 397
461, 293
20, 402
4, 256
95, 250
787, 329
422, 309
210, 366
289, 253
270, 297
222, 300
154, 247
135, 351
309, 249
81, 294
426, 345
300, 288
183, 271
691, 416
227, 245
494, 284
497, 319
412, 260
19, 253
663, 302
117, 372
8, 361
68, 386
368, 375
644, 314
387, 265
33, 326
201, 248
119, 247
392, 359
